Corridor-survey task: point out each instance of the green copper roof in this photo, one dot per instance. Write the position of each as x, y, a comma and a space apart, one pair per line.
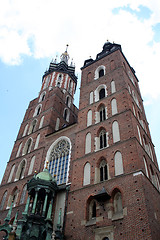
45, 175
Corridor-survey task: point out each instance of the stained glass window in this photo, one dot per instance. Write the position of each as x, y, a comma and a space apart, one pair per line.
59, 161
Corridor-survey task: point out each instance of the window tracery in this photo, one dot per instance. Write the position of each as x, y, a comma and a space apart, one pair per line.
59, 161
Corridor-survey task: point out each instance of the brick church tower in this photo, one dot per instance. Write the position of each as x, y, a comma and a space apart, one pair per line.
100, 155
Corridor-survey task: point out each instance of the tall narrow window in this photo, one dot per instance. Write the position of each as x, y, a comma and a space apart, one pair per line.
153, 178
19, 150
57, 124
92, 210
103, 170
113, 87
42, 96
89, 118
37, 142
27, 146
20, 170
91, 97
115, 132
88, 143
23, 195
37, 110
103, 139
25, 130
145, 165
68, 101
118, 163
13, 198
31, 165
59, 161
87, 174
66, 114
41, 122
59, 80
134, 111
3, 200
101, 73
118, 208
32, 127
114, 106
139, 135
102, 113
102, 93
11, 173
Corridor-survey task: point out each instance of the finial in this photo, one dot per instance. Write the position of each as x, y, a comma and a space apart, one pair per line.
47, 164
67, 45
65, 56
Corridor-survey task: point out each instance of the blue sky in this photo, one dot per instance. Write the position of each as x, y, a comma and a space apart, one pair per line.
35, 31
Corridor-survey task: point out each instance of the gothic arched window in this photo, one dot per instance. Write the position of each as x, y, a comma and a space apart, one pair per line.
101, 73
11, 173
86, 174
27, 147
117, 202
42, 96
118, 163
102, 93
37, 141
114, 106
92, 210
20, 170
102, 113
33, 126
41, 122
103, 139
19, 149
59, 161
103, 170
89, 118
3, 200
31, 165
23, 195
13, 198
113, 87
115, 132
25, 130
66, 114
88, 143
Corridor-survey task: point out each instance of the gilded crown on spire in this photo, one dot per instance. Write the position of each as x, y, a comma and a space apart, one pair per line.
65, 56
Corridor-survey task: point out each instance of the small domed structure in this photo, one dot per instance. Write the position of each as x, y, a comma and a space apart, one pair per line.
45, 175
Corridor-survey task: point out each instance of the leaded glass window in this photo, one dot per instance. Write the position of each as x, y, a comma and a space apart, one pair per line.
59, 161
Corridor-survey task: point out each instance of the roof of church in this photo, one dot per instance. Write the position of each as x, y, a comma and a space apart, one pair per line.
108, 48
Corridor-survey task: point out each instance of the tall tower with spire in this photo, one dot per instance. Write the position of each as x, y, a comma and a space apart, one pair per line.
101, 155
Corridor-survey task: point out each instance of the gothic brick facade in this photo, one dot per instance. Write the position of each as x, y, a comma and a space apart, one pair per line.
101, 154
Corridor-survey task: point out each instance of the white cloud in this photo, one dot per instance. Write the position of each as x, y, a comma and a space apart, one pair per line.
41, 27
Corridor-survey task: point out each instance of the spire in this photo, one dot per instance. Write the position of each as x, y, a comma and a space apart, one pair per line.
65, 56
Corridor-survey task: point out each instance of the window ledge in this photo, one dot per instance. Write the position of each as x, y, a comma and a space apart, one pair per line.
117, 216
91, 222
